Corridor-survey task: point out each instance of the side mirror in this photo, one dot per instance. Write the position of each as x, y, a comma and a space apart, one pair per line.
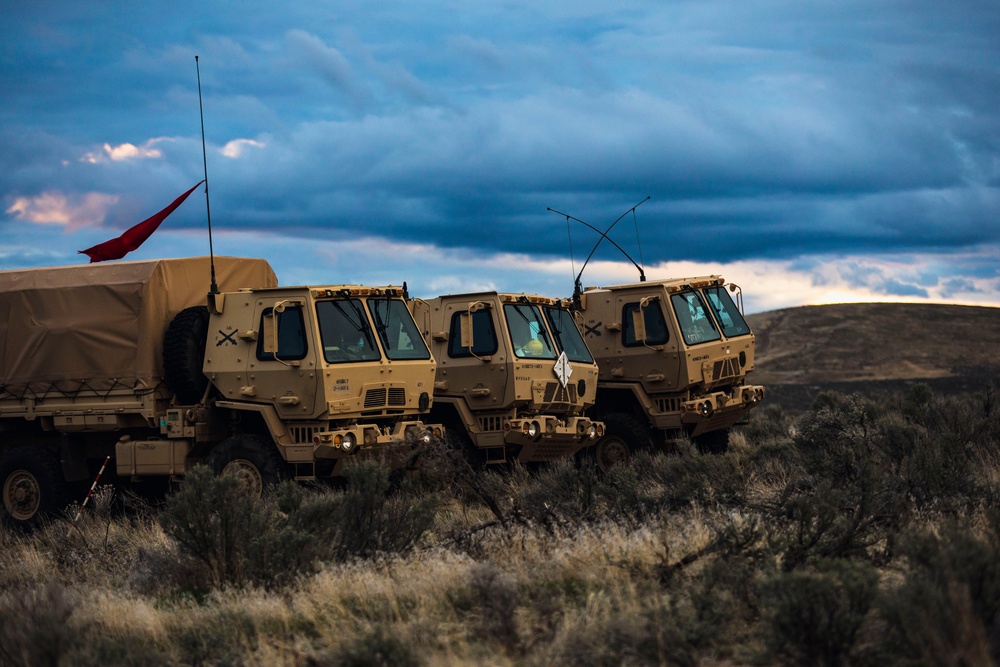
465, 329
269, 344
639, 323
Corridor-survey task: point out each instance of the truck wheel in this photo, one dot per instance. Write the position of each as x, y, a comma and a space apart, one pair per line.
713, 442
184, 354
33, 485
623, 434
252, 458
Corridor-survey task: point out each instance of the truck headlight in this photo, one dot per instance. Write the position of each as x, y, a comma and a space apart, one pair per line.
531, 428
348, 442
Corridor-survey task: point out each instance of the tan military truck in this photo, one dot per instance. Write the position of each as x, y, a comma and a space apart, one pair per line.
514, 375
124, 360
674, 357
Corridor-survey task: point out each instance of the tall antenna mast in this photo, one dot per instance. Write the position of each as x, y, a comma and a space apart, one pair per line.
577, 287
214, 289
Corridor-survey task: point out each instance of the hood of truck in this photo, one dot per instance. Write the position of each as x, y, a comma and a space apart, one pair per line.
719, 363
558, 387
397, 388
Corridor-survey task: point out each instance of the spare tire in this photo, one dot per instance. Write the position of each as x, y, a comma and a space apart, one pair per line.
184, 354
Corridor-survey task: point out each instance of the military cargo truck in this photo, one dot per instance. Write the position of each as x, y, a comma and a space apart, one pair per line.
514, 376
125, 360
674, 357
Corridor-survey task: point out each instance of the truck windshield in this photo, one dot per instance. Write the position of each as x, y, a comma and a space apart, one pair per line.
527, 332
696, 325
397, 330
567, 336
345, 332
726, 312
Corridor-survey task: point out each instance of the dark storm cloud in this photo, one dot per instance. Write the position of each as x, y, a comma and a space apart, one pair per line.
760, 130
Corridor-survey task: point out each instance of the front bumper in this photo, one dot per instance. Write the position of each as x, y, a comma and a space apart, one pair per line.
339, 443
546, 438
720, 409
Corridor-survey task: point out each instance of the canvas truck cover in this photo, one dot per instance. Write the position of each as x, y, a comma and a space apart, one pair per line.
100, 327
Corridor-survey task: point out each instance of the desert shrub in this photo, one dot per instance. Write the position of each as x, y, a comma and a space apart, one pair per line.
36, 628
549, 596
767, 424
220, 637
815, 616
832, 522
492, 598
836, 438
916, 402
629, 493
852, 494
101, 650
724, 602
946, 610
378, 647
560, 496
217, 524
693, 478
168, 570
915, 444
239, 540
370, 521
936, 469
649, 635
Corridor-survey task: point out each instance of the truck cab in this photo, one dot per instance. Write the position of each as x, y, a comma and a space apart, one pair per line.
514, 375
333, 371
674, 357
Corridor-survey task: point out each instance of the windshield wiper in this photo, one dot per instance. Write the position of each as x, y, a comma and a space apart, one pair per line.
359, 325
380, 325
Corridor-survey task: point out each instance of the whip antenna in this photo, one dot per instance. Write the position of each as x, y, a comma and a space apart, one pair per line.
569, 235
214, 289
577, 287
638, 241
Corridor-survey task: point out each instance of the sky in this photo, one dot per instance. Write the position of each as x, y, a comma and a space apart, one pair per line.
810, 151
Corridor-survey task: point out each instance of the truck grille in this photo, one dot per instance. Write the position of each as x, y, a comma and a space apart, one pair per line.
725, 368
376, 398
556, 393
665, 405
397, 396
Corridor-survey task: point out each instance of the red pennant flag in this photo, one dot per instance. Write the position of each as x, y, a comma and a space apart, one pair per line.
133, 237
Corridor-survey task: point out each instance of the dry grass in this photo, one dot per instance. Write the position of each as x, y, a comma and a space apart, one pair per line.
563, 568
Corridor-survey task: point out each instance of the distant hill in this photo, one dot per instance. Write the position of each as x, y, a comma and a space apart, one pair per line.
868, 347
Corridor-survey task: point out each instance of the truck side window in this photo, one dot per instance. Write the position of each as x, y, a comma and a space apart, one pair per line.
292, 343
656, 327
484, 336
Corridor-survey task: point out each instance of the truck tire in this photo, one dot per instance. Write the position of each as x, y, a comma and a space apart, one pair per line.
713, 442
624, 433
252, 458
184, 354
32, 486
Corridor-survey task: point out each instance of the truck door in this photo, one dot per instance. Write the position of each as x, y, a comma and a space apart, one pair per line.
283, 369
654, 359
